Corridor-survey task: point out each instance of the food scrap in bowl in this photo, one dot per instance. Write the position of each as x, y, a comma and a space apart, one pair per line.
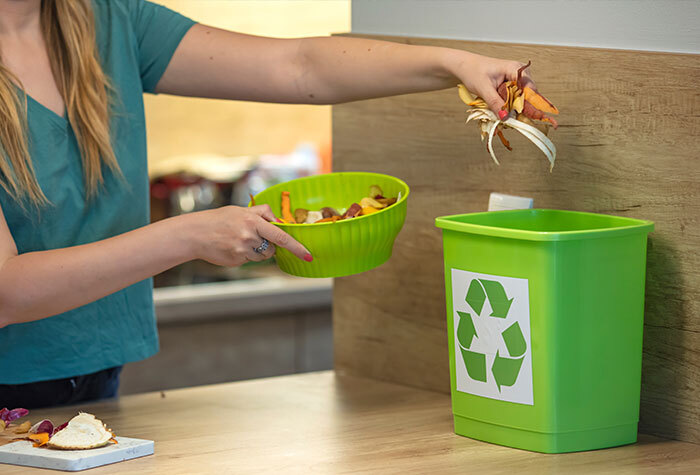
375, 201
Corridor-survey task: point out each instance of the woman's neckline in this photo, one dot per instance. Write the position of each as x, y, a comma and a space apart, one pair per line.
61, 119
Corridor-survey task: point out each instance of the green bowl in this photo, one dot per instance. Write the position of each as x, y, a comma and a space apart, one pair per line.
345, 247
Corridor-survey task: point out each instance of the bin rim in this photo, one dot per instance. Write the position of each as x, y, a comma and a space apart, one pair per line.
635, 226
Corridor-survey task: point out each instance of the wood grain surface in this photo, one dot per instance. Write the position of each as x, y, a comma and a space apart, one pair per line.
320, 423
627, 145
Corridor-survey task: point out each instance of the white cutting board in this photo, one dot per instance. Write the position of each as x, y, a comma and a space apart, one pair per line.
24, 453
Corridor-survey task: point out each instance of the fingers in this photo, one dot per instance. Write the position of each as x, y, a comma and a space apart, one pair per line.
527, 81
278, 237
526, 76
491, 96
253, 255
264, 211
493, 100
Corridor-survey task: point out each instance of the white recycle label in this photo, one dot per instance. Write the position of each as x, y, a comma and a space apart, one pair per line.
493, 354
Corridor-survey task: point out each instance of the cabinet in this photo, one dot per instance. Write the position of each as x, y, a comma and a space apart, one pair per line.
215, 333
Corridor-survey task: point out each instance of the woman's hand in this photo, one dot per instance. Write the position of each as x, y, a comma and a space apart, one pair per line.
482, 75
228, 236
35, 285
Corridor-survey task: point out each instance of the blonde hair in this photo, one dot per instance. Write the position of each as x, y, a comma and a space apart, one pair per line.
68, 27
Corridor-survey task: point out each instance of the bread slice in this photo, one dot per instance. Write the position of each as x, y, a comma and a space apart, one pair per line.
84, 431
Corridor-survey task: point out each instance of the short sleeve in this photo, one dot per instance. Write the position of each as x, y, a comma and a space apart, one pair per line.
158, 31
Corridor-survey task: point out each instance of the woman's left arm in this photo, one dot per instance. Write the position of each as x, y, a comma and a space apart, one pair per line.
215, 63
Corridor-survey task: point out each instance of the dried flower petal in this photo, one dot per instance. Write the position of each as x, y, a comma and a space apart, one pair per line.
23, 427
39, 439
464, 94
539, 101
42, 426
515, 96
12, 415
518, 103
504, 141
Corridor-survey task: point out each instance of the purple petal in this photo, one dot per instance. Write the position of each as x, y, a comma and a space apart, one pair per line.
43, 426
14, 414
17, 413
61, 427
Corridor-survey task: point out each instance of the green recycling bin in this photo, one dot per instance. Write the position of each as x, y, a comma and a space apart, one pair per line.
545, 311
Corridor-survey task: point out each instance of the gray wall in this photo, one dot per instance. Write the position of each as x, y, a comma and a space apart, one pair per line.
652, 25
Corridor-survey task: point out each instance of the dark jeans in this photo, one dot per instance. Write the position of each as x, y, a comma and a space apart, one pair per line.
59, 392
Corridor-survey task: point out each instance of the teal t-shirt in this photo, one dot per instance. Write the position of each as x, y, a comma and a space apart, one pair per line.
136, 40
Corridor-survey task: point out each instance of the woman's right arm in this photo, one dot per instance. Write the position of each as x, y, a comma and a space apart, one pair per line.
36, 285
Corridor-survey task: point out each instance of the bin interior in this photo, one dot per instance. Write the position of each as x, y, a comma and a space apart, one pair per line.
530, 223
549, 221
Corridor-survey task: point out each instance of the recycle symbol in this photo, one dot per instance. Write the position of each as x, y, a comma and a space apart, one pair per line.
505, 369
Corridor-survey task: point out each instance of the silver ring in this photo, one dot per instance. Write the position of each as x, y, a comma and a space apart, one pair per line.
262, 247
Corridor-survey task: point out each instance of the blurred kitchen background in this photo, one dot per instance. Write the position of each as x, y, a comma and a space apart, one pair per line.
218, 324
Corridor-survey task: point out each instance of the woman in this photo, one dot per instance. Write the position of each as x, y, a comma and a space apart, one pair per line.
75, 243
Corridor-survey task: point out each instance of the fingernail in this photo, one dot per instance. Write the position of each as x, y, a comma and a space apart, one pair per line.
308, 257
502, 114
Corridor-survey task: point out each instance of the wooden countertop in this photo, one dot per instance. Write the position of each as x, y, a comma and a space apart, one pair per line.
327, 423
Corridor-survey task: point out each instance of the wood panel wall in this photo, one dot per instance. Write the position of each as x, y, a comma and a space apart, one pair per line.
627, 145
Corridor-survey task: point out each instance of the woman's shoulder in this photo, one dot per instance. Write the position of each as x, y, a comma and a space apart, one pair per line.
132, 10
142, 17
107, 11
142, 33
123, 6
122, 13
114, 7
113, 16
